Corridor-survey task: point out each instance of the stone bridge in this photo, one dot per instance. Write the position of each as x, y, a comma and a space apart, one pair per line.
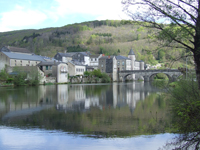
148, 75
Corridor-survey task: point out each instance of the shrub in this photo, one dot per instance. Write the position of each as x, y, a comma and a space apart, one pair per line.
10, 80
105, 78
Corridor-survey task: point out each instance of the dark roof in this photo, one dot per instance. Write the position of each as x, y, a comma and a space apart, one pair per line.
107, 57
95, 56
75, 62
17, 49
131, 52
67, 54
119, 57
70, 54
89, 67
85, 53
12, 55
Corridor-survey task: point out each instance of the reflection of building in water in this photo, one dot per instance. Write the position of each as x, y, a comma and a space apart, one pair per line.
128, 94
24, 101
74, 97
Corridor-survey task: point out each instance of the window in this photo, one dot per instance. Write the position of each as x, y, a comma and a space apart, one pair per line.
102, 65
118, 63
50, 67
122, 63
46, 67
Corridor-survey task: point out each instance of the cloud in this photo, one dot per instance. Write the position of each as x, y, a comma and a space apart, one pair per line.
34, 14
20, 17
103, 9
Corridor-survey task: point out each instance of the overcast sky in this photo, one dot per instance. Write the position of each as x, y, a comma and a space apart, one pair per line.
36, 14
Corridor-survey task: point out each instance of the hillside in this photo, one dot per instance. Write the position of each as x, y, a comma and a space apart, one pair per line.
110, 37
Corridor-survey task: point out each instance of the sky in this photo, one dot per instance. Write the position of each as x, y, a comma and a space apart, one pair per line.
37, 14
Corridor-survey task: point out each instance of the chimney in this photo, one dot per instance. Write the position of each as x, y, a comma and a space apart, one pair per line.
108, 57
65, 51
103, 54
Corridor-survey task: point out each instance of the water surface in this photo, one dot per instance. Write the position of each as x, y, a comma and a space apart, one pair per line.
87, 116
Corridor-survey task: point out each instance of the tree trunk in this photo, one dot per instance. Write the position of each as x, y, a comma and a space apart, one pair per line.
196, 50
197, 67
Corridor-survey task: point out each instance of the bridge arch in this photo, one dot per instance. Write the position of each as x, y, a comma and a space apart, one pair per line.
147, 75
151, 77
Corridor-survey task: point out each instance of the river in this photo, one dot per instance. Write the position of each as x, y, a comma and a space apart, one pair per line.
121, 116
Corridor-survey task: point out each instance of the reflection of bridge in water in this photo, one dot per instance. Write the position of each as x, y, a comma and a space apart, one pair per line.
75, 97
147, 75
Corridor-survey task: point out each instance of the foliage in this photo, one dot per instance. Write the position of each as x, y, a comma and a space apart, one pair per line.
87, 73
161, 76
26, 77
10, 80
19, 79
76, 49
3, 75
97, 73
176, 24
105, 78
185, 106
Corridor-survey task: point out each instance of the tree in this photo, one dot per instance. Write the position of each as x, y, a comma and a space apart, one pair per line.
177, 23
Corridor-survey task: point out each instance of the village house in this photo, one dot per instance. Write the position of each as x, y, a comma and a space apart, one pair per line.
82, 57
57, 70
15, 50
11, 60
107, 64
76, 68
112, 64
94, 60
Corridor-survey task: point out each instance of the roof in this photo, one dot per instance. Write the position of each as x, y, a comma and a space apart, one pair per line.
131, 52
17, 49
119, 57
95, 56
67, 54
75, 62
70, 54
85, 53
107, 57
12, 55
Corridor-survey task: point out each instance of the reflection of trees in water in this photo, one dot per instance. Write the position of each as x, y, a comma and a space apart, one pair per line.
149, 118
93, 90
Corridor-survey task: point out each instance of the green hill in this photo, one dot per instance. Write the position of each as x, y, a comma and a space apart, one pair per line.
111, 37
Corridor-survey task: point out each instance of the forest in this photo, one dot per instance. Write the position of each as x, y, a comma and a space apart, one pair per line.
110, 37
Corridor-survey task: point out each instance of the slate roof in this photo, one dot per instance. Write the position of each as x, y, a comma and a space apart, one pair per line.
12, 55
119, 57
17, 49
95, 56
131, 52
75, 62
67, 54
106, 57
70, 54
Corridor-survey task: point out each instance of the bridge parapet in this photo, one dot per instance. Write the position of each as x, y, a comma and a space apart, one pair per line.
172, 74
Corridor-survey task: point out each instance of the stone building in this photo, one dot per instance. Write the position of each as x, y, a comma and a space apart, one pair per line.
108, 64
82, 57
112, 64
94, 60
11, 59
76, 68
57, 70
